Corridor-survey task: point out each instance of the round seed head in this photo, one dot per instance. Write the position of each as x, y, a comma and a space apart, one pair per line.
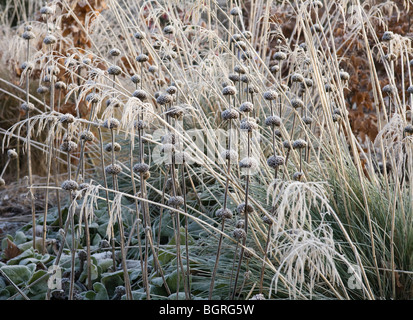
388, 89
308, 83
49, 78
142, 58
297, 103
175, 112
258, 296
236, 11
307, 120
275, 161
329, 87
87, 135
246, 107
240, 69
336, 117
164, 99
234, 77
387, 36
153, 69
239, 234
245, 55
27, 106
140, 125
168, 138
28, 35
2, 182
50, 39
273, 121
135, 79
280, 56
113, 103
140, 94
60, 85
248, 125
408, 129
70, 185
248, 163
270, 95
224, 213
235, 37
410, 89
287, 144
116, 147
240, 224
92, 98
275, 68
251, 89
139, 35
67, 118
113, 169
12, 154
27, 66
299, 144
111, 123
297, 176
42, 90
267, 220
231, 155
169, 29
114, 70
247, 34
87, 61
249, 253
175, 201
46, 10
229, 91
296, 77
245, 78
141, 168
114, 52
171, 89
68, 146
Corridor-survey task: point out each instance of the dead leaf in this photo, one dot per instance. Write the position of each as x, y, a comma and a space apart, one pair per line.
11, 251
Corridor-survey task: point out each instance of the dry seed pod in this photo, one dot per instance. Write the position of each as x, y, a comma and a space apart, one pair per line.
247, 34
50, 39
111, 123
241, 208
175, 201
169, 29
258, 296
70, 185
60, 85
248, 125
245, 78
142, 58
171, 90
49, 78
275, 68
297, 103
388, 89
175, 112
234, 77
299, 144
114, 70
224, 213
246, 107
267, 220
139, 35
12, 154
114, 52
236, 11
296, 77
27, 66
410, 89
235, 38
140, 125
231, 155
28, 34
229, 91
240, 224
297, 176
270, 95
273, 121
140, 94
345, 76
92, 98
408, 129
67, 118
287, 144
239, 234
141, 168
275, 161
240, 69
113, 103
164, 99
116, 147
27, 106
135, 79
87, 136
280, 56
68, 146
113, 169
307, 120
249, 253
42, 90
2, 182
387, 36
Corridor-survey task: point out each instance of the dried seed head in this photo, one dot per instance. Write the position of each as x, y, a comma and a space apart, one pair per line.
92, 98
224, 213
60, 85
168, 138
42, 90
307, 120
142, 58
249, 253
390, 57
275, 68
408, 129
297, 176
241, 208
308, 83
296, 77
229, 91
135, 79
387, 36
176, 112
245, 55
27, 106
175, 201
245, 78
388, 89
236, 11
114, 52
113, 169
68, 146
27, 66
336, 117
114, 70
169, 29
116, 147
273, 121
240, 69
258, 296
240, 224
280, 56
231, 155
329, 87
247, 34
171, 89
153, 69
278, 133
246, 107
251, 89
12, 154
234, 77
87, 61
287, 144
111, 123
299, 144
248, 125
87, 135
28, 35
267, 220
141, 168
50, 39
139, 35
345, 76
82, 255
140, 94
46, 10
275, 161
165, 98
140, 125
70, 185
2, 182
67, 118
270, 95
410, 89
113, 103
239, 234
297, 103
49, 78
235, 37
